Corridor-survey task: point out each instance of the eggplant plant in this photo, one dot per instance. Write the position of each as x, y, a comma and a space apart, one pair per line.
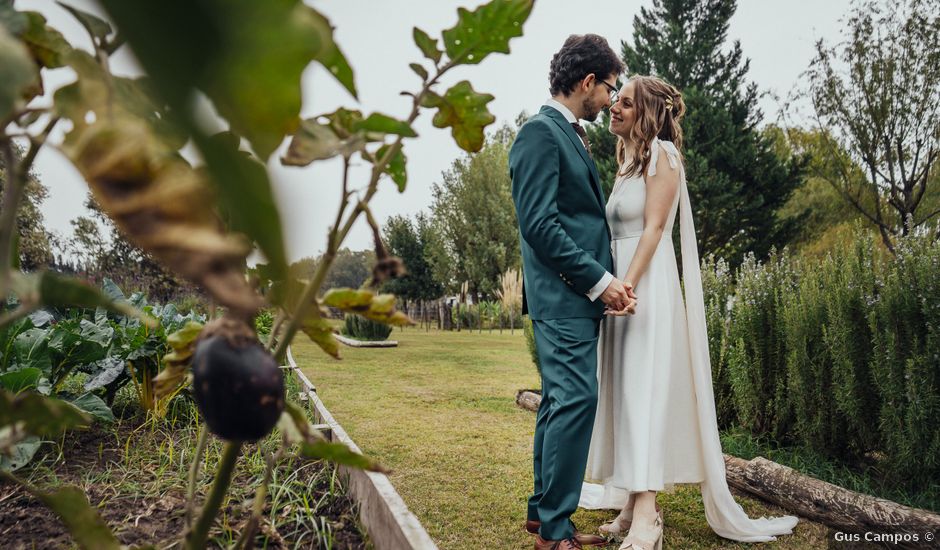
201, 222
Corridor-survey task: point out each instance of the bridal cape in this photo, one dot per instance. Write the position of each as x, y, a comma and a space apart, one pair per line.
725, 516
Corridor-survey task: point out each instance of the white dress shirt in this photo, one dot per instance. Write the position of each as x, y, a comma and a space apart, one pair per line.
601, 285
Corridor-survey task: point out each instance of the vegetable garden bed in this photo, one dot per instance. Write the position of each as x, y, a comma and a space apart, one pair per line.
135, 473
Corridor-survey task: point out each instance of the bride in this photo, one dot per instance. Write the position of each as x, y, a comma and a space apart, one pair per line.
656, 422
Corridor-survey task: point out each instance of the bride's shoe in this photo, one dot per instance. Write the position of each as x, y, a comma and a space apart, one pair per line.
636, 543
622, 522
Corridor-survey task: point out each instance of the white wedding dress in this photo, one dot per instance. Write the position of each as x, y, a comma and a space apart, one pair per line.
656, 423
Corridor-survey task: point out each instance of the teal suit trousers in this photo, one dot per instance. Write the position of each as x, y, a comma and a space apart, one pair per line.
567, 350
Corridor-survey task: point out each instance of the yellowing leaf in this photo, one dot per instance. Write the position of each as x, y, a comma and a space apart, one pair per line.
320, 331
348, 299
340, 454
463, 110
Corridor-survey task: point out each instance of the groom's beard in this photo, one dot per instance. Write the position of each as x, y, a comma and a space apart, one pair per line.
590, 110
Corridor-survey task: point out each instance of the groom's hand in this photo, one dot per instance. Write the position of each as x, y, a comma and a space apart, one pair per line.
627, 304
615, 295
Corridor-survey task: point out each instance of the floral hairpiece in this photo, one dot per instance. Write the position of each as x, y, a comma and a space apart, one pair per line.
669, 103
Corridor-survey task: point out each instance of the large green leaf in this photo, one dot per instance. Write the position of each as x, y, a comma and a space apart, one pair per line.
31, 349
38, 414
94, 406
463, 110
19, 454
245, 194
76, 342
21, 379
247, 56
47, 288
104, 372
17, 72
112, 290
485, 30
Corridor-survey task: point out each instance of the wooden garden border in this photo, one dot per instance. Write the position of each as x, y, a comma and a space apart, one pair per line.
353, 343
386, 518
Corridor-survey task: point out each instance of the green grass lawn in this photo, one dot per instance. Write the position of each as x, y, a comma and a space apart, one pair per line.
440, 411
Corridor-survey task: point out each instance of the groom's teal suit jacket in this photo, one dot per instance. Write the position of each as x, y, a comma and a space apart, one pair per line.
562, 220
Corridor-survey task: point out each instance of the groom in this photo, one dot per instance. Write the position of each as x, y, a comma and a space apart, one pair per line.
567, 281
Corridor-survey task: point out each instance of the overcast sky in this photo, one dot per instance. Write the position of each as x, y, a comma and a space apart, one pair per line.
778, 36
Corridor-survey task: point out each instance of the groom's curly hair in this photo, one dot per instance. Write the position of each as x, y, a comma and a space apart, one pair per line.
581, 55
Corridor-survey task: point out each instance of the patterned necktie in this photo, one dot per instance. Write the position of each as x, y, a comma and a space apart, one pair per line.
583, 135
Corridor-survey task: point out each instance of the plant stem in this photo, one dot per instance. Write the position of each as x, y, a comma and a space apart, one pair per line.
337, 235
196, 538
194, 473
275, 326
12, 193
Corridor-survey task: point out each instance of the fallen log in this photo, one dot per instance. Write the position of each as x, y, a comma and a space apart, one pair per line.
830, 504
806, 496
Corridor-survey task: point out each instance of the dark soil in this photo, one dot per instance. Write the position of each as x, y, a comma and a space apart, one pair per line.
143, 510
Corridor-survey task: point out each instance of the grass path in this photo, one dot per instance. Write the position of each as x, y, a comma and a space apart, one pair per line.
440, 411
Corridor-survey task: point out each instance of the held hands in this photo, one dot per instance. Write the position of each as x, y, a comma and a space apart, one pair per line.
620, 298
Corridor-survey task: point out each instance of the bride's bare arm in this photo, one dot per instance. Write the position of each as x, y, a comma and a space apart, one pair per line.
661, 191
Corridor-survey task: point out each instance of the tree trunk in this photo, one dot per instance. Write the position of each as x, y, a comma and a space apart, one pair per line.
827, 503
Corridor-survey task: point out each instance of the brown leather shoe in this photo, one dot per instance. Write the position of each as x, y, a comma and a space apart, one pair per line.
567, 544
532, 527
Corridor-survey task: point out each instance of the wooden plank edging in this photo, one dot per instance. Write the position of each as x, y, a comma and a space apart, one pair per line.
353, 343
383, 513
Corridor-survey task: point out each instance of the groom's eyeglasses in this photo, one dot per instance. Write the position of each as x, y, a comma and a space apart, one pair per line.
612, 90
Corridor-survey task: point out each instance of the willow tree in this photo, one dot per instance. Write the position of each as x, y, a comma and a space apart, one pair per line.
877, 93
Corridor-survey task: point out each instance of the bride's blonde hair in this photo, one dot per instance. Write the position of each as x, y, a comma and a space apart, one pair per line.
659, 109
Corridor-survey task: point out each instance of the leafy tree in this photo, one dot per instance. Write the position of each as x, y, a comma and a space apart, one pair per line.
736, 181
350, 269
878, 95
113, 256
409, 241
34, 242
816, 203
474, 219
